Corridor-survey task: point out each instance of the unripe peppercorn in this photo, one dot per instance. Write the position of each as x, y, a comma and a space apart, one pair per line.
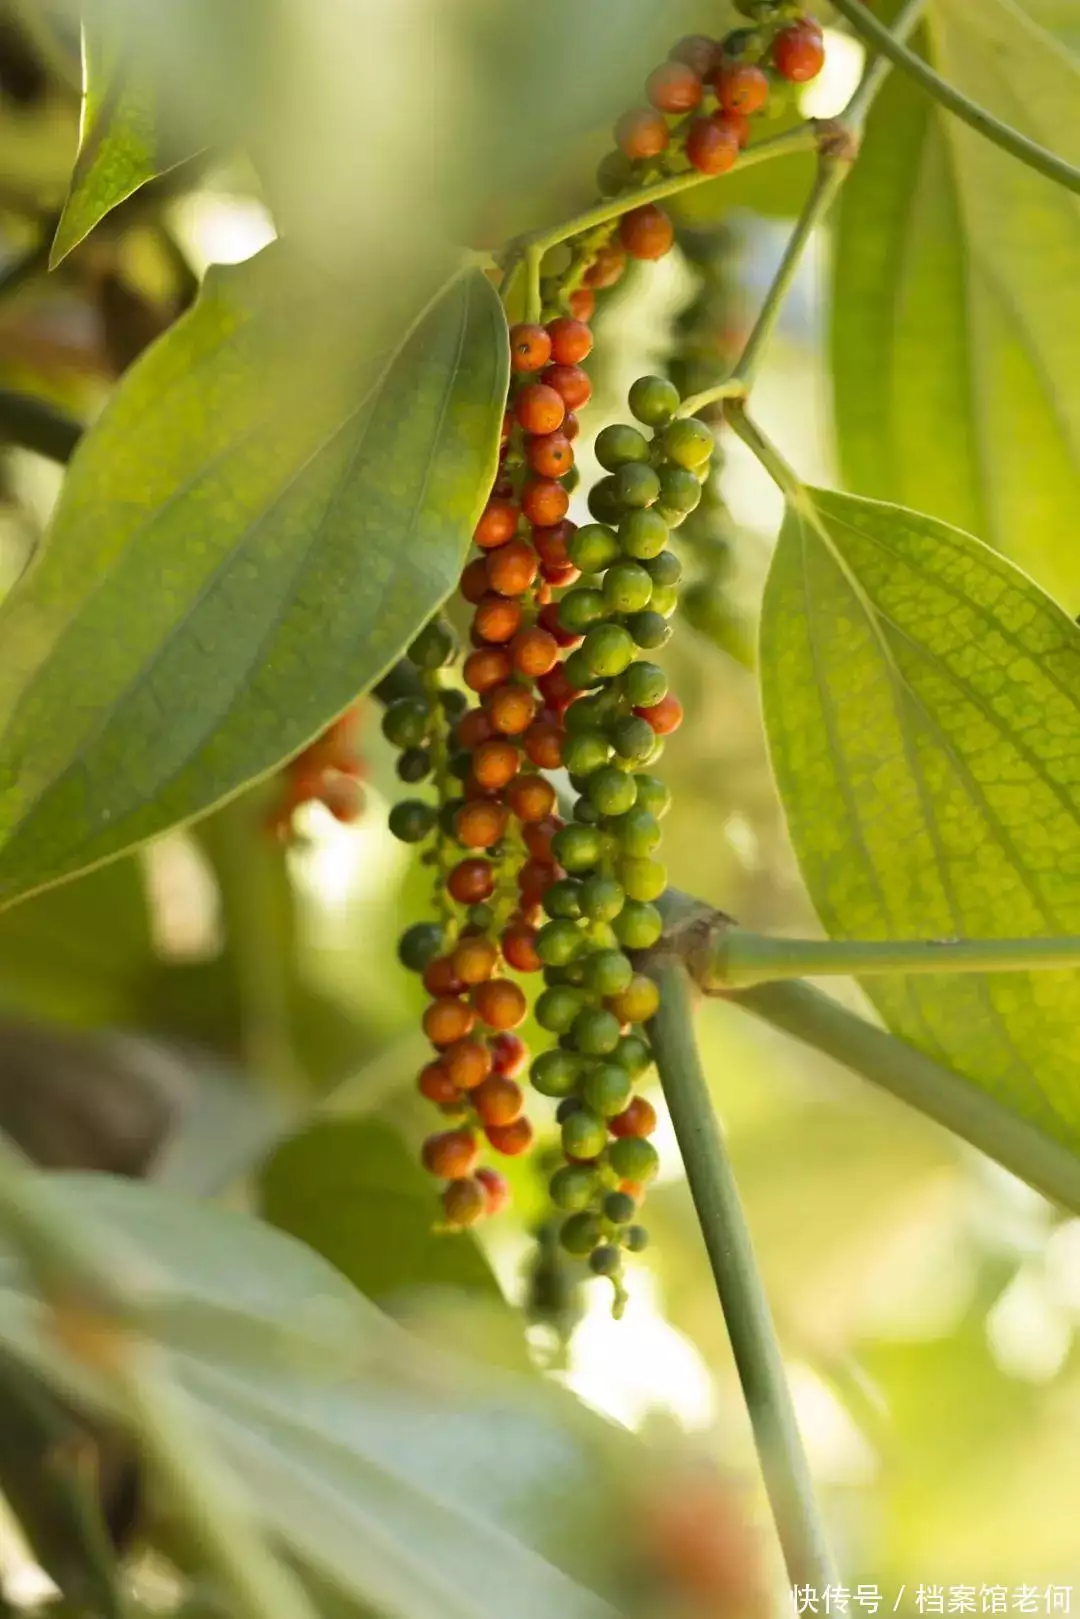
557, 1008
603, 501
419, 945
627, 587
606, 1089
674, 87
605, 1260
578, 848
642, 132
563, 899
580, 1234
632, 738
711, 147
595, 1032
585, 752
584, 1135
573, 1187
608, 973
583, 606
635, 1238
601, 898
636, 485
592, 549
494, 764
642, 534
653, 795
638, 925
633, 1054
498, 523
620, 445
498, 1100
688, 442
607, 650
649, 629
680, 491
499, 1003
555, 1073
539, 408
611, 790
653, 400
632, 1158
512, 568
559, 942
433, 647
412, 820
510, 1139
638, 1002
414, 765
643, 879
647, 232
637, 831
450, 1155
530, 347
406, 722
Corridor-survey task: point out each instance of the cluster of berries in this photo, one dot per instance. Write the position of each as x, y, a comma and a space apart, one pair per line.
328, 772
700, 105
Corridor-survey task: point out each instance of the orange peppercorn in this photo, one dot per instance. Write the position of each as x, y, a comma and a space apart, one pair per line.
551, 455
519, 948
544, 501
710, 148
475, 958
571, 383
674, 87
446, 1020
530, 347
556, 689
551, 542
734, 123
509, 1054
741, 87
582, 303
539, 408
571, 340
487, 667
531, 798
511, 709
471, 882
439, 977
497, 618
473, 728
450, 1154
499, 1003
480, 824
534, 652
499, 1100
798, 52
607, 267
538, 836
642, 132
543, 744
512, 569
465, 1201
474, 583
498, 523
511, 1139
548, 619
646, 232
495, 763
665, 716
496, 1189
637, 1119
468, 1063
435, 1083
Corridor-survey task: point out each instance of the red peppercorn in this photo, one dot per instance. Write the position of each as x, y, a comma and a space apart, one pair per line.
511, 709
556, 689
543, 744
473, 728
519, 948
697, 51
544, 501
571, 383
798, 52
499, 1100
496, 1189
494, 764
440, 978
607, 267
512, 569
638, 1119
674, 87
534, 879
710, 149
480, 824
551, 544
538, 836
582, 303
571, 427
532, 798
571, 341
551, 455
497, 618
665, 716
646, 232
468, 1063
509, 1054
534, 651
472, 881
447, 1020
436, 1085
539, 408
498, 523
642, 132
473, 582
530, 347
741, 87
511, 1139
487, 667
734, 123
450, 1154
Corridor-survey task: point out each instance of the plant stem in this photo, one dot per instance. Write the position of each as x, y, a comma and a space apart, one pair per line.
742, 1296
935, 1090
779, 470
878, 69
33, 424
741, 959
1037, 157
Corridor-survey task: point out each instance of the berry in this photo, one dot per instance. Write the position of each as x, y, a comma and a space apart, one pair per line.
653, 400
583, 303
638, 831
674, 87
611, 790
447, 1020
605, 1260
555, 1073
680, 491
509, 1054
653, 795
607, 650
643, 132
513, 567
471, 881
665, 716
511, 1139
496, 1189
603, 502
607, 1089
582, 607
644, 683
638, 1121
412, 820
627, 588
573, 1187
436, 1085
544, 501
498, 1100
468, 1063
557, 1008
530, 347
646, 232
580, 1234
510, 708
798, 52
539, 408
638, 1002
688, 442
481, 824
697, 51
571, 383
631, 1157
487, 667
633, 1054
414, 765
584, 1135
497, 618
439, 977
577, 848
475, 958
649, 629
464, 1203
494, 764
551, 455
601, 898
450, 1155
633, 738
519, 948
595, 1032
592, 549
543, 744
473, 581
571, 341
741, 87
498, 523
711, 147
419, 945
643, 879
635, 1238
531, 798
433, 647
619, 1207
500, 1003
406, 721
610, 262
608, 972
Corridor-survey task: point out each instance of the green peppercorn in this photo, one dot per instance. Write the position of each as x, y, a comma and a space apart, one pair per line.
602, 898
665, 599
564, 899
619, 1207
577, 671
606, 1089
633, 738
635, 1237
633, 1054
679, 490
654, 400
578, 848
688, 442
434, 646
642, 878
453, 703
639, 1001
586, 752
580, 1234
644, 684
638, 832
649, 629
405, 723
591, 548
412, 820
419, 945
482, 916
636, 485
605, 1260
633, 1158
607, 972
573, 1187
557, 1008
611, 790
638, 925
448, 815
582, 606
559, 942
664, 569
642, 534
606, 650
592, 713
584, 1135
555, 1073
653, 795
586, 812
627, 588
595, 1032
619, 445
414, 765
604, 503
568, 1106
614, 173
461, 764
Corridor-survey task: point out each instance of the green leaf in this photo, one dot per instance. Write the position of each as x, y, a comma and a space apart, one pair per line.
275, 500
955, 343
393, 1474
351, 1190
922, 701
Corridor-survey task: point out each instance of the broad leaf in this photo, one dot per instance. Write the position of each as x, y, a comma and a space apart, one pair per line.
956, 346
395, 1476
351, 1190
922, 700
274, 501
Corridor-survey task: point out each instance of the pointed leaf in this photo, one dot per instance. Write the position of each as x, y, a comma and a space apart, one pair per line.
275, 500
922, 700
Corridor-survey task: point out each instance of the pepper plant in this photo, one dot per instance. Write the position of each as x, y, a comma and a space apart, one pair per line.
339, 478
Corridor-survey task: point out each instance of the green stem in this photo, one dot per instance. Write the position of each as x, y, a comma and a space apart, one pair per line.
741, 959
742, 1296
33, 424
906, 1073
878, 70
1010, 140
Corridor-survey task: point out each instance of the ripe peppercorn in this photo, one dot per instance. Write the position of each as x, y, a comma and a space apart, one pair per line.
534, 652
473, 583
531, 798
698, 51
710, 148
530, 347
499, 1003
519, 948
512, 569
511, 1139
496, 1189
474, 728
495, 763
552, 543
798, 52
498, 523
582, 303
480, 824
474, 959
450, 1154
487, 667
509, 1054
544, 501
741, 87
439, 977
646, 232
464, 1201
543, 744
497, 618
447, 1020
511, 709
498, 1100
467, 1062
642, 132
665, 716
539, 408
571, 383
639, 1119
436, 1084
571, 340
674, 87
472, 880
551, 455
608, 265
733, 123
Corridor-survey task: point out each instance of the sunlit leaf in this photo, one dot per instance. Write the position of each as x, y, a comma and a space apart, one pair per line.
922, 699
276, 498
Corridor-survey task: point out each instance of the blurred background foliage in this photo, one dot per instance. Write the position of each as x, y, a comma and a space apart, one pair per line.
181, 1010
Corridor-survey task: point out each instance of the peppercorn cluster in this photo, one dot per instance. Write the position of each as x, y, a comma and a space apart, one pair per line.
701, 103
329, 771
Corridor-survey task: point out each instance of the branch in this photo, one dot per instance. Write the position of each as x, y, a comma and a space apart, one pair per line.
738, 1282
741, 959
33, 424
1037, 157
